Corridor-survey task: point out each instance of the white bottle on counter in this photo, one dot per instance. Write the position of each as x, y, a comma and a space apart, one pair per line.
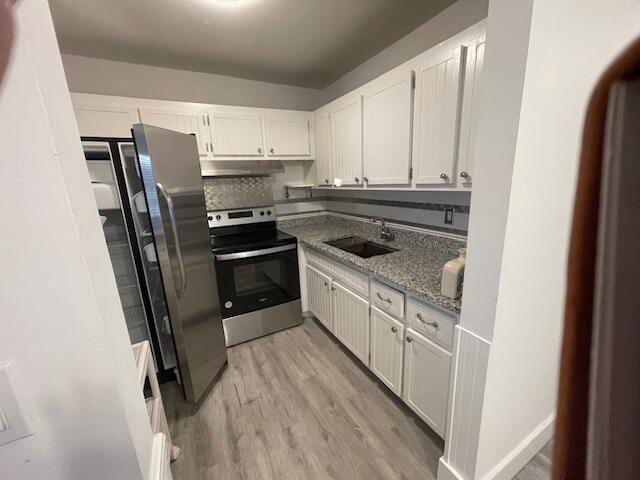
452, 274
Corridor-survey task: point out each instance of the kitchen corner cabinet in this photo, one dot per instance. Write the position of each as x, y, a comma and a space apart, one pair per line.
319, 291
351, 321
387, 337
192, 123
438, 92
322, 126
470, 109
102, 120
346, 139
426, 379
387, 105
287, 136
236, 135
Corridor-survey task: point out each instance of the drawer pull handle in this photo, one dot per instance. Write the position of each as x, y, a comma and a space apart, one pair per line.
435, 325
394, 329
431, 324
383, 299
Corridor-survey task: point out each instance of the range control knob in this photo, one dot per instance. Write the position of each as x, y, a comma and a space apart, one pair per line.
268, 212
218, 217
210, 217
261, 214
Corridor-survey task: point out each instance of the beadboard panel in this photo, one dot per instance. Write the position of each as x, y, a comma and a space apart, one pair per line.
351, 321
346, 130
465, 410
387, 348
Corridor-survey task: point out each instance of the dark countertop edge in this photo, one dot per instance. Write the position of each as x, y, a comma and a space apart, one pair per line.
406, 290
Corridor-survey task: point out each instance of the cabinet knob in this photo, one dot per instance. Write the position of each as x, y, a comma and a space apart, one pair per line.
326, 284
272, 150
464, 174
365, 179
326, 180
357, 180
444, 176
259, 150
394, 329
409, 339
333, 289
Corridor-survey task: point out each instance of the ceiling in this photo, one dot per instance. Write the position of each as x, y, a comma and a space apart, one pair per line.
308, 43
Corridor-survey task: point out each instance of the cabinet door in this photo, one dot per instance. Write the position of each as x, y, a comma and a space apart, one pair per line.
104, 120
191, 123
319, 292
436, 118
346, 137
470, 107
236, 135
351, 321
323, 149
387, 128
387, 342
426, 379
287, 137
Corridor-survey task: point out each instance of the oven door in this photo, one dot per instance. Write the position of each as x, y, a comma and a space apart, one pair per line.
257, 279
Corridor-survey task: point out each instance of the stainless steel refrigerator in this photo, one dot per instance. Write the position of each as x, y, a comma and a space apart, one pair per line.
170, 169
154, 218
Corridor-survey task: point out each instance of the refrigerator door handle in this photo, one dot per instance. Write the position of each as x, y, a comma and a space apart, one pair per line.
176, 236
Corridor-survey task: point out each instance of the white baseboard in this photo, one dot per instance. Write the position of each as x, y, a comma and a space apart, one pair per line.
447, 472
517, 458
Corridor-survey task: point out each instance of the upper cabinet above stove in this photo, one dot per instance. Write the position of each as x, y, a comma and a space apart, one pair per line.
223, 132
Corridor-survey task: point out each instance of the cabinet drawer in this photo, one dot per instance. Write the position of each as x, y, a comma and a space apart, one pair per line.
432, 323
387, 299
356, 281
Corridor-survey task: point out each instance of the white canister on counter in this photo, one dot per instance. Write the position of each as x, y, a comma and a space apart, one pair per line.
452, 274
337, 182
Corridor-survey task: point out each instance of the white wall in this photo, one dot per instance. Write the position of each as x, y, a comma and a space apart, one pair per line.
564, 61
93, 75
62, 324
446, 24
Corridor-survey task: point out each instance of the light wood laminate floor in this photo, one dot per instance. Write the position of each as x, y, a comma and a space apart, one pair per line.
539, 468
296, 405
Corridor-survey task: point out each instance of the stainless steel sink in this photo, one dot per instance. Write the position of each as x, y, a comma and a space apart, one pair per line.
361, 247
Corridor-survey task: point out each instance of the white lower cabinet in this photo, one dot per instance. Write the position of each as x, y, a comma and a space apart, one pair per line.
319, 292
399, 350
426, 379
387, 337
351, 320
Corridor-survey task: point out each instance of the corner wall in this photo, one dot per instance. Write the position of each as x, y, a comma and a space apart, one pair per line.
564, 62
107, 77
62, 324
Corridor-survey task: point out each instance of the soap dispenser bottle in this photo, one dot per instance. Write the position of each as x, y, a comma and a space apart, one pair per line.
452, 274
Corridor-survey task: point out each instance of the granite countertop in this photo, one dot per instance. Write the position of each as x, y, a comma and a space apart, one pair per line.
415, 268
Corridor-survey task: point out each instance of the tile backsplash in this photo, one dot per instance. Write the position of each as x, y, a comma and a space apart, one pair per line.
225, 193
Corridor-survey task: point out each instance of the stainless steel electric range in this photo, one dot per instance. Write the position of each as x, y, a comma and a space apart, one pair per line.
256, 271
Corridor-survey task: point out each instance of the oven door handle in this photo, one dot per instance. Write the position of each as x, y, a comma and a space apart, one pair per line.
254, 253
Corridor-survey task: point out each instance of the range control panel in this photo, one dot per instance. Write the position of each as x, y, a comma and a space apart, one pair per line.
226, 218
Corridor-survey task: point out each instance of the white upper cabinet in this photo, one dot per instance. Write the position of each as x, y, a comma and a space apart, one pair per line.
287, 136
192, 123
346, 138
470, 107
437, 104
103, 120
236, 134
323, 148
387, 128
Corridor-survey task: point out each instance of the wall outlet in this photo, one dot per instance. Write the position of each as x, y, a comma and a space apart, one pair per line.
448, 216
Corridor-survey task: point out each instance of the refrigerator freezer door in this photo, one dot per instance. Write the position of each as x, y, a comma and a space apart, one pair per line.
170, 168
